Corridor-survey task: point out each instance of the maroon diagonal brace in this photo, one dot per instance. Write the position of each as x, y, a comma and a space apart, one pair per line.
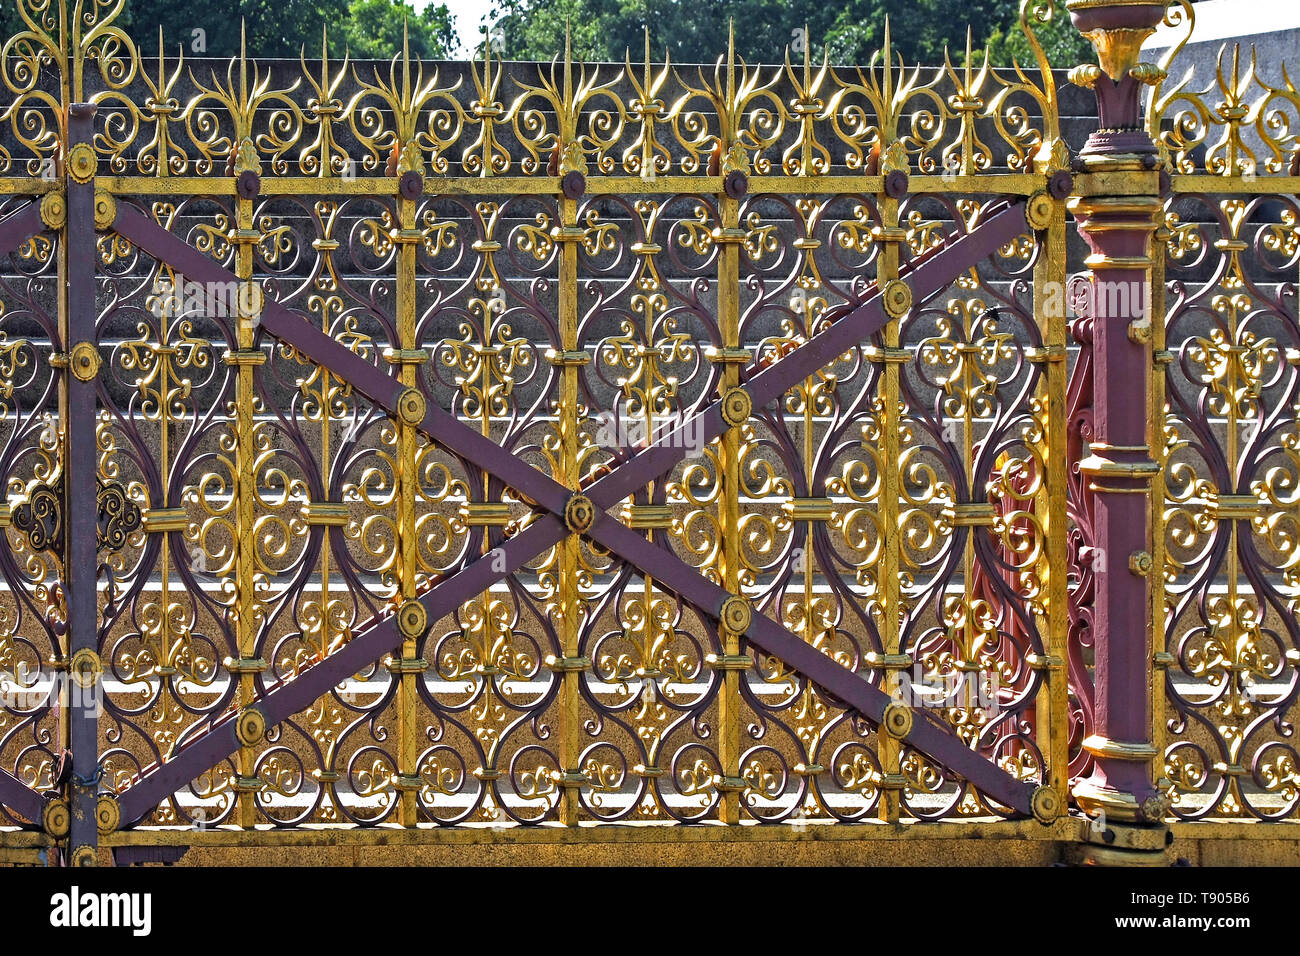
928, 277
21, 226
16, 795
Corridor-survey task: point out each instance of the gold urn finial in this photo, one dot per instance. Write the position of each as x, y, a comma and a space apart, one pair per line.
1117, 29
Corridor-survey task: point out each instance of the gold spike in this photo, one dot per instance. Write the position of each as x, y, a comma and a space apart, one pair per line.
324, 59
646, 86
889, 67
406, 60
968, 58
731, 60
243, 61
568, 64
474, 64
325, 162
807, 60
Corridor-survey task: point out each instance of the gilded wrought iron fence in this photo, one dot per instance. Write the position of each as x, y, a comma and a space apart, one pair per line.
640, 444
1229, 352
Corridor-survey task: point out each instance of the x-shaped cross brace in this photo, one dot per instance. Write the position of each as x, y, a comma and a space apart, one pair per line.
565, 511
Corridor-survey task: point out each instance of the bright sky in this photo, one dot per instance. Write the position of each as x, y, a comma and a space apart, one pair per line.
1225, 19
467, 14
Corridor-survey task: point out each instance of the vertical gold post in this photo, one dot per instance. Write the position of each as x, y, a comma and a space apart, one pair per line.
730, 236
729, 326
1052, 709
889, 584
571, 609
408, 667
408, 738
246, 360
247, 617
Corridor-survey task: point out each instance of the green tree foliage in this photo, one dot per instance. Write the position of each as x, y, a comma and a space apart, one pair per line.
692, 31
696, 30
374, 30
10, 22
277, 28
1064, 45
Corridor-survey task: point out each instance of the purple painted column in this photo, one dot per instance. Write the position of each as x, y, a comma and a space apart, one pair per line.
1116, 206
79, 470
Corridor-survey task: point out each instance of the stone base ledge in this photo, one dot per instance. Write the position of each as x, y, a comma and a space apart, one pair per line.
966, 843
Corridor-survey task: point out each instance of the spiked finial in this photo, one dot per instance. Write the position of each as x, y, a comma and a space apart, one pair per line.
406, 60
243, 60
807, 58
731, 59
568, 62
889, 65
968, 56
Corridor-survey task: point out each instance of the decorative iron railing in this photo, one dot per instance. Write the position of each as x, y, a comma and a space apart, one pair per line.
1229, 350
